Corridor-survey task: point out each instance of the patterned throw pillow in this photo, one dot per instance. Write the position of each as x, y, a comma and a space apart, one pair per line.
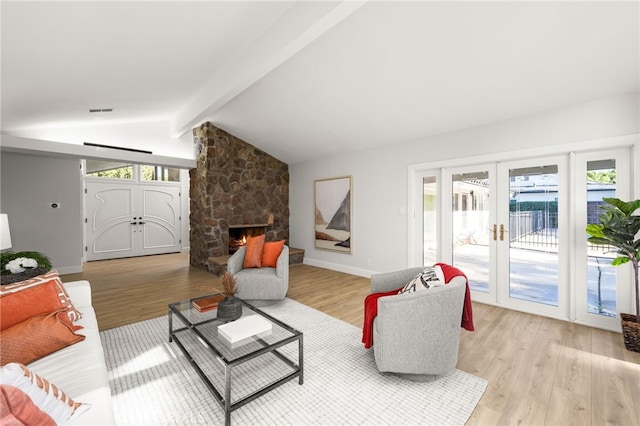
47, 396
39, 295
37, 337
430, 277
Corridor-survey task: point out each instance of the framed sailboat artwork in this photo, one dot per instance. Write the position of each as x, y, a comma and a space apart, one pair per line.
333, 214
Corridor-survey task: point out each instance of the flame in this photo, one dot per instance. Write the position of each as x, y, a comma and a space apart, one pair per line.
244, 240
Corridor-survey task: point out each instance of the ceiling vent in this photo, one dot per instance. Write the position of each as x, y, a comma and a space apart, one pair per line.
100, 110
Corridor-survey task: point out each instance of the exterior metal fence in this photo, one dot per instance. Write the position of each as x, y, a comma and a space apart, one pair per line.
538, 228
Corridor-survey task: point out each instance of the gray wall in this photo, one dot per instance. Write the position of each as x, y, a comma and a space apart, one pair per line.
28, 185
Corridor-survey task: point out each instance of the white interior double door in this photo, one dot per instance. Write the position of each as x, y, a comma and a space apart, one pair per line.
131, 219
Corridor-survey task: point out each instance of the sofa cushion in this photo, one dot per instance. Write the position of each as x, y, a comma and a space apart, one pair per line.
39, 295
37, 337
89, 381
271, 252
46, 395
253, 255
16, 408
429, 277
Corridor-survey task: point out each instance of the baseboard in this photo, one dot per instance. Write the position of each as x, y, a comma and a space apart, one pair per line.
68, 270
338, 267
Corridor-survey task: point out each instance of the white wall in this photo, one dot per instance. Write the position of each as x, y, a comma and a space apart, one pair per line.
28, 185
380, 176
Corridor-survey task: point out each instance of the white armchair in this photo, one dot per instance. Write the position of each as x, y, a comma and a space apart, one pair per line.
260, 284
415, 335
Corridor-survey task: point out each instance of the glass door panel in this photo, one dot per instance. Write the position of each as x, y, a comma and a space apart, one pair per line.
472, 218
430, 219
599, 294
533, 234
601, 275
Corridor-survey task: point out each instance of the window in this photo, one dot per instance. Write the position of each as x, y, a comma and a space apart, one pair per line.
143, 173
109, 169
160, 174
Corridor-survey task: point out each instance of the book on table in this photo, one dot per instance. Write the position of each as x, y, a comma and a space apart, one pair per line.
208, 303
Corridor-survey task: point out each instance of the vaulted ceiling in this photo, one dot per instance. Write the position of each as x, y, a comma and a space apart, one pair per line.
303, 80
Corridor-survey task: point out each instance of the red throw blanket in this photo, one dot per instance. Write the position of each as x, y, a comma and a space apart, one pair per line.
371, 305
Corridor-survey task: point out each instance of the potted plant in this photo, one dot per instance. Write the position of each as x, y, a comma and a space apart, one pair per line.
22, 265
619, 228
229, 308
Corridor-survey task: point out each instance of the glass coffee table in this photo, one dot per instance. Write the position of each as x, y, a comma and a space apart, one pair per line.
239, 372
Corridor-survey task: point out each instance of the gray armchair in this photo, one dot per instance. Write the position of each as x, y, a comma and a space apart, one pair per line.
260, 284
416, 335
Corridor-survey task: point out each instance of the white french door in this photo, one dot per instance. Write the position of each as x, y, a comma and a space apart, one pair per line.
532, 234
517, 230
504, 232
129, 219
469, 217
601, 290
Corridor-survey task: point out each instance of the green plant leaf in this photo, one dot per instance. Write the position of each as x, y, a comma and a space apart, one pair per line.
620, 261
595, 230
625, 207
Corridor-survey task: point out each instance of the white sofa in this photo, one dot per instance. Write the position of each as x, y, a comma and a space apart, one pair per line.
79, 370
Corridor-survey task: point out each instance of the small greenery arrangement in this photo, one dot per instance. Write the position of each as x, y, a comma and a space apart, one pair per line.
620, 228
228, 284
12, 263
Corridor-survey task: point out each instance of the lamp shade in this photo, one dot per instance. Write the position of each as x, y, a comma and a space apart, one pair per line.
5, 234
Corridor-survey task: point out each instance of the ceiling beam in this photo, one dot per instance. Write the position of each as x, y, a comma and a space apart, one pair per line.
303, 23
19, 145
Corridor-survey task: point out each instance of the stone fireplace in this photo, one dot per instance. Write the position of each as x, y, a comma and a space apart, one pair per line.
234, 185
238, 234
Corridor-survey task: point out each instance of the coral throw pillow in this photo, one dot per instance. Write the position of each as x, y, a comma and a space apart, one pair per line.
47, 396
253, 255
37, 337
16, 408
40, 295
271, 252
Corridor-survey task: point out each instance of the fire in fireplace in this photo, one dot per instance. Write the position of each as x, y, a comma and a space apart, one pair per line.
238, 235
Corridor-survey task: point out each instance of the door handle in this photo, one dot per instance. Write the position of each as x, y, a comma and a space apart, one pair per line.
502, 231
495, 232
137, 221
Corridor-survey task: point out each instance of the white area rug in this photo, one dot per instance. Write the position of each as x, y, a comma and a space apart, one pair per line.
153, 384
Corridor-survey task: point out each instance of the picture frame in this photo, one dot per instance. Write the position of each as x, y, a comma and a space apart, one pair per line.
333, 214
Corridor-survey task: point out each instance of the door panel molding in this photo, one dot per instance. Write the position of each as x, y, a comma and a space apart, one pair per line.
127, 219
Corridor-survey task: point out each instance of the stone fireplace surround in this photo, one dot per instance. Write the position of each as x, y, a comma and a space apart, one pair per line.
233, 184
239, 233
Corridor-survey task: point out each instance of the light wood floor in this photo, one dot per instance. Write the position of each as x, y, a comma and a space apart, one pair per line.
540, 371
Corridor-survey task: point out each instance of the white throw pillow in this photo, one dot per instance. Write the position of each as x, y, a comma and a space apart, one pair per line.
431, 276
47, 396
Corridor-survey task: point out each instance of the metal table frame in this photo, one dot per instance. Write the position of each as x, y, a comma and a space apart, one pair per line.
224, 397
